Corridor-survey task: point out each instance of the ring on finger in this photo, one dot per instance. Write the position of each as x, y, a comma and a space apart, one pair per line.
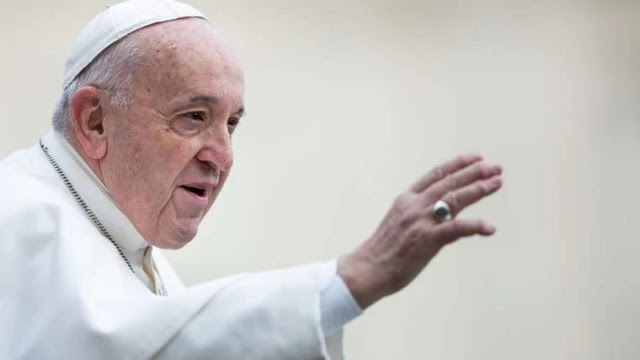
441, 210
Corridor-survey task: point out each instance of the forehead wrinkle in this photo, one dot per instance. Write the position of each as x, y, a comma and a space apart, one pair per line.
199, 99
229, 63
185, 56
167, 45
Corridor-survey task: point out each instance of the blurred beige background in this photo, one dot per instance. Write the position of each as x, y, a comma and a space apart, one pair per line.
349, 101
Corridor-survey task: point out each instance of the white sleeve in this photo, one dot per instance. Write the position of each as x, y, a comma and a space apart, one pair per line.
338, 306
274, 315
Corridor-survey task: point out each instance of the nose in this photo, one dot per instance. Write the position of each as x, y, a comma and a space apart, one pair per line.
217, 150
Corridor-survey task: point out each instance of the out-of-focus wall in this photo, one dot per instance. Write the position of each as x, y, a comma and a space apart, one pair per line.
349, 101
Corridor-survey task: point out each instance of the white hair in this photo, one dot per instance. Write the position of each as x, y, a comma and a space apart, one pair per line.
112, 70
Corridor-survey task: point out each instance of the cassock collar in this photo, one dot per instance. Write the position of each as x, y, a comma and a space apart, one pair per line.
95, 194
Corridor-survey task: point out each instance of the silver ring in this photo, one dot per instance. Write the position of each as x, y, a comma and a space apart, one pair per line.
441, 211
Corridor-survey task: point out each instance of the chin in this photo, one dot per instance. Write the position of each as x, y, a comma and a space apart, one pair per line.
178, 236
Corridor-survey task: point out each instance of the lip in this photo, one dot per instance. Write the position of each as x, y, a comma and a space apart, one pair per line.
199, 190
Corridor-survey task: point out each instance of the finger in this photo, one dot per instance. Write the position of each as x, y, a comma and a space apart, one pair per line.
463, 177
470, 194
442, 170
452, 230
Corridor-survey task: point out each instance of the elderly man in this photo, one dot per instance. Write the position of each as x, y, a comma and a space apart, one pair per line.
140, 150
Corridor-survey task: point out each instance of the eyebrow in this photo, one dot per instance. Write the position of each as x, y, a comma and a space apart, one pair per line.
203, 99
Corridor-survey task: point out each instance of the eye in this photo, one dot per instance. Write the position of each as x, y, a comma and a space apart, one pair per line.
196, 115
233, 121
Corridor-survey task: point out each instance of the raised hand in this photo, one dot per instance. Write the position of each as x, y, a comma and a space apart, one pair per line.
409, 235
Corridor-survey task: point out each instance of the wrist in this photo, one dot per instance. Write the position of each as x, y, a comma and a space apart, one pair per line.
361, 277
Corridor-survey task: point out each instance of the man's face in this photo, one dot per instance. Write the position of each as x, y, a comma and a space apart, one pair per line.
169, 153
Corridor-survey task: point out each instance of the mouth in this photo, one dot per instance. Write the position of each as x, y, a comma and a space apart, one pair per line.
198, 191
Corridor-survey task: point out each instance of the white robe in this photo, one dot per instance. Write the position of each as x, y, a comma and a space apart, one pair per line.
66, 293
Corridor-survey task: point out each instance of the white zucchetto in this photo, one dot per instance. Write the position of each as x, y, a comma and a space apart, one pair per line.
116, 22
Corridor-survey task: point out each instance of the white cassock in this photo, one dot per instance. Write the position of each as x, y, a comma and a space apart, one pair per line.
67, 293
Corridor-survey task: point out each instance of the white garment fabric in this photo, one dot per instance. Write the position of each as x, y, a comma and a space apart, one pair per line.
66, 292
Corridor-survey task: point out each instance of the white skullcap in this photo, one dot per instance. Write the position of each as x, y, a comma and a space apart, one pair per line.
116, 22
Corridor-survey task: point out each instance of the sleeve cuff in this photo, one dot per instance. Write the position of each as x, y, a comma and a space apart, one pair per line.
337, 306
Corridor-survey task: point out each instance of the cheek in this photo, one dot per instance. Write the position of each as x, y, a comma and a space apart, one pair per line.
168, 163
151, 163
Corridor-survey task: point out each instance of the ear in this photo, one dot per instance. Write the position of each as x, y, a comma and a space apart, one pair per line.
87, 117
